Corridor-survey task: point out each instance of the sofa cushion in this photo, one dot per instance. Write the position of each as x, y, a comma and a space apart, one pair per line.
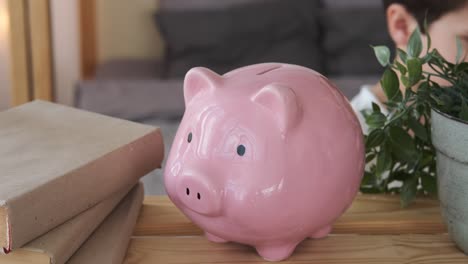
226, 38
348, 34
167, 5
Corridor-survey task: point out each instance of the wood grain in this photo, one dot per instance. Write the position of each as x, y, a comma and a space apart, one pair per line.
382, 214
369, 214
41, 49
350, 249
88, 43
21, 89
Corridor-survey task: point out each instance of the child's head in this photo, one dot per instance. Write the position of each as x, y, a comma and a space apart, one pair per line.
446, 19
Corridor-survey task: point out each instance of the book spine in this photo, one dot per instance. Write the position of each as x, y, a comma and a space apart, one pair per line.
55, 202
105, 245
120, 248
88, 222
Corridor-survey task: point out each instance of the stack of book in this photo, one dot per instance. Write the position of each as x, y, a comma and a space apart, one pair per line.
69, 183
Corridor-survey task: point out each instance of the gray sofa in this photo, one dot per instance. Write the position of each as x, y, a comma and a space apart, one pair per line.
332, 37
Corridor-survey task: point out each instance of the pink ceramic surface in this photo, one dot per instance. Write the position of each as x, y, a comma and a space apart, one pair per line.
266, 155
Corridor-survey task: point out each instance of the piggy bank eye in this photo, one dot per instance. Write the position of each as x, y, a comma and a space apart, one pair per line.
241, 150
189, 138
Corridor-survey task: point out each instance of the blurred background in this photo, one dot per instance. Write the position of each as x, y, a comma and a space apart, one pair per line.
127, 59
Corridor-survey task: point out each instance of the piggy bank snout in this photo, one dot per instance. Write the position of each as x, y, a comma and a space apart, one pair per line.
198, 194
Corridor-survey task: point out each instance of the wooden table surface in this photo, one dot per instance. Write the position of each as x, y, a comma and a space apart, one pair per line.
374, 230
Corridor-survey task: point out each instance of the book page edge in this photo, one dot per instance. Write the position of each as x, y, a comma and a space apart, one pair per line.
4, 229
23, 255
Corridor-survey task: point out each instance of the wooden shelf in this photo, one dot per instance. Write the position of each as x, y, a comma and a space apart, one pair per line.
369, 214
347, 249
374, 230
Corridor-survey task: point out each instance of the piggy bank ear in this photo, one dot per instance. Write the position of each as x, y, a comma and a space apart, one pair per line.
282, 103
199, 80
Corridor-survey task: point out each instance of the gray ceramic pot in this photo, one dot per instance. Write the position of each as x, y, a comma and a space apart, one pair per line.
450, 138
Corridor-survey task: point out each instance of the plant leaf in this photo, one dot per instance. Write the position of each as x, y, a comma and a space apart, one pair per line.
383, 54
384, 161
415, 44
368, 179
408, 191
401, 67
429, 183
418, 129
464, 110
401, 176
376, 120
437, 100
408, 93
402, 144
426, 30
402, 54
370, 157
390, 85
414, 71
427, 158
375, 138
405, 81
375, 107
462, 67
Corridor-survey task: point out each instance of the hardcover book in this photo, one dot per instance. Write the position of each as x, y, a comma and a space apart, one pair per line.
57, 161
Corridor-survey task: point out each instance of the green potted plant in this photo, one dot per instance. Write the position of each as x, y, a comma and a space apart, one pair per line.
421, 145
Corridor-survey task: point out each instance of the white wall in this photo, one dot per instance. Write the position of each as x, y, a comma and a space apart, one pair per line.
124, 29
5, 74
66, 48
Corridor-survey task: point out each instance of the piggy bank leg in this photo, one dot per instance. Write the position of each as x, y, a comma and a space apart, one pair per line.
214, 238
276, 252
322, 232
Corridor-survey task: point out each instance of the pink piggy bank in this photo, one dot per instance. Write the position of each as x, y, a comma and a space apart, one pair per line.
266, 155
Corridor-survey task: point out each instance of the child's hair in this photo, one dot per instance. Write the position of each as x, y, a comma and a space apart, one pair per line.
433, 8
